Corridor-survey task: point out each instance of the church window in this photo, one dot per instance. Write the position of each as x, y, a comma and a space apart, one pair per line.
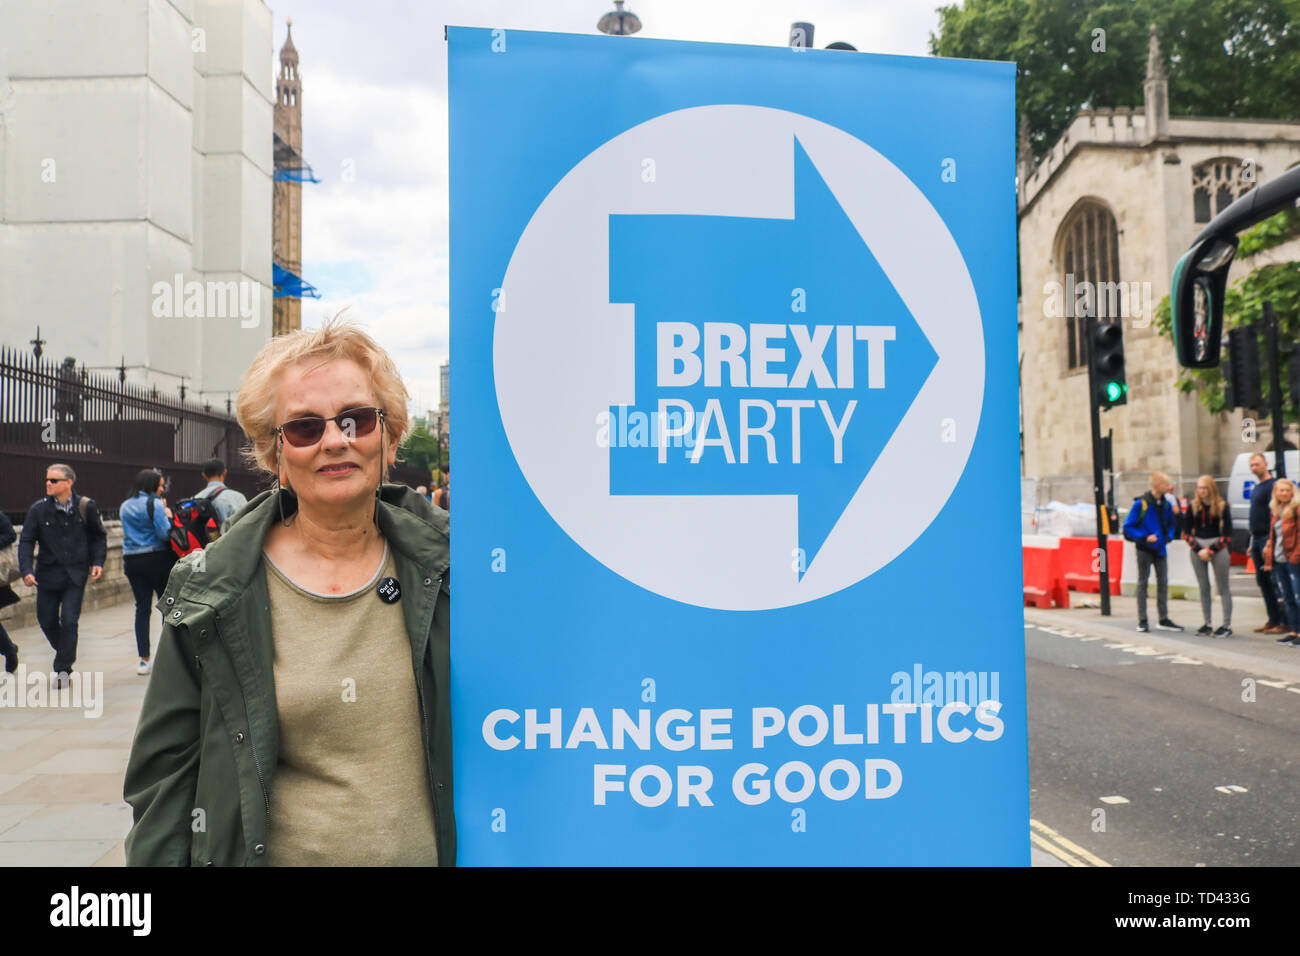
1216, 185
1088, 252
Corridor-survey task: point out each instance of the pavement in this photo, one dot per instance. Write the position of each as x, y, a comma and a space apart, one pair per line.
61, 767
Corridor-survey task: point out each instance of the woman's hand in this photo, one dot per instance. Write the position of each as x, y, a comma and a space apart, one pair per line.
1205, 554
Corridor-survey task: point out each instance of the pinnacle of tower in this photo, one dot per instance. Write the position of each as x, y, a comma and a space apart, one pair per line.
288, 52
1155, 65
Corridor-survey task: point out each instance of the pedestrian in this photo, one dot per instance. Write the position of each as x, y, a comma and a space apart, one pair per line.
1151, 524
1209, 535
323, 614
147, 553
1261, 498
442, 494
64, 531
7, 596
1282, 555
225, 501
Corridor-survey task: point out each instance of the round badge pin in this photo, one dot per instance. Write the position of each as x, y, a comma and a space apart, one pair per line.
389, 591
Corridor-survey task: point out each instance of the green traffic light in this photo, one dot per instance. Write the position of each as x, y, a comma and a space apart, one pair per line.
1114, 391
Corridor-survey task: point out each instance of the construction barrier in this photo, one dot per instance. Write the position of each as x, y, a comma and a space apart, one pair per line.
1044, 583
1080, 563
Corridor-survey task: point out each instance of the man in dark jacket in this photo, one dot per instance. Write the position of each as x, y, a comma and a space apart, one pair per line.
73, 546
1261, 519
1152, 523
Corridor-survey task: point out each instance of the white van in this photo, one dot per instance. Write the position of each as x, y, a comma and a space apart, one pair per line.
1240, 483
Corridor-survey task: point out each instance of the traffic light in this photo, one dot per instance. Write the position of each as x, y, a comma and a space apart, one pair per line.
1242, 368
1107, 358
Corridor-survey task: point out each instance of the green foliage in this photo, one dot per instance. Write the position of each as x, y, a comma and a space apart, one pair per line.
421, 449
1271, 232
1223, 57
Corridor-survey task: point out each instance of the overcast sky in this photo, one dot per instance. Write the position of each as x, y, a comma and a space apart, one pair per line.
374, 95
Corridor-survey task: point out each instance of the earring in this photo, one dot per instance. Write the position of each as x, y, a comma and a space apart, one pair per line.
279, 489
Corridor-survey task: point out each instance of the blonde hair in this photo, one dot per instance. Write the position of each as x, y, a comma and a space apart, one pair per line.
1161, 477
255, 406
1289, 510
1216, 499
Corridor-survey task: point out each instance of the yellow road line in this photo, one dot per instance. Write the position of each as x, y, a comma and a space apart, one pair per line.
1068, 844
1053, 849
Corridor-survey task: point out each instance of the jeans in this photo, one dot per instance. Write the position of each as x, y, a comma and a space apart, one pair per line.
1287, 578
1265, 581
148, 575
7, 647
1201, 569
57, 611
1144, 562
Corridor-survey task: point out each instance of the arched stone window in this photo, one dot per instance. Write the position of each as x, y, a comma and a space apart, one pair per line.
1087, 248
1217, 183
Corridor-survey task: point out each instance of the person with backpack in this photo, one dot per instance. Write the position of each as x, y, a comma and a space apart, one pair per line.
225, 501
1151, 524
146, 552
63, 544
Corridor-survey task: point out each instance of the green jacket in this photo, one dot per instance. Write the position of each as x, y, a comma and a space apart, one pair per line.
208, 735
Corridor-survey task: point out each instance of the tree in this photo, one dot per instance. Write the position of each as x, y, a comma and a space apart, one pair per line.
1222, 57
420, 449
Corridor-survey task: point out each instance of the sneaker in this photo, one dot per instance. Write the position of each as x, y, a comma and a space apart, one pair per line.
1205, 630
1285, 639
1223, 631
1142, 626
144, 667
1167, 625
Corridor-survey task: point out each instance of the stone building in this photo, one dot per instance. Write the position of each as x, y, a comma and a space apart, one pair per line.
135, 177
1118, 199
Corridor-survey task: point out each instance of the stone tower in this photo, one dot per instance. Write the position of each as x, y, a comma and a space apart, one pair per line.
287, 201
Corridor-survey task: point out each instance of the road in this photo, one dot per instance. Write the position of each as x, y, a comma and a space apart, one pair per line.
1139, 756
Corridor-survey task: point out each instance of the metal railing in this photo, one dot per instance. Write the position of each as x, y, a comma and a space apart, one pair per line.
106, 429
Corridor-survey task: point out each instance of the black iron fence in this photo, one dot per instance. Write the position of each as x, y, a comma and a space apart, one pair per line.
106, 429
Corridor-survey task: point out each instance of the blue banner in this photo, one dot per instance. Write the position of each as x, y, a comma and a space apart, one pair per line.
734, 380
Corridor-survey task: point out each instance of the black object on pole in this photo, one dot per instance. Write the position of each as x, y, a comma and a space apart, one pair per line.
1095, 388
1243, 367
1275, 388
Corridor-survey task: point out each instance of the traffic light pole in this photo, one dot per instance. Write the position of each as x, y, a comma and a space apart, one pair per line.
1275, 388
1098, 481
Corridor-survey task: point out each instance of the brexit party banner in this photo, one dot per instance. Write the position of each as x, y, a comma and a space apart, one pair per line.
734, 386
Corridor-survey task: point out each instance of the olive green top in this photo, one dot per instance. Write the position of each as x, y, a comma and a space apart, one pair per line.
351, 786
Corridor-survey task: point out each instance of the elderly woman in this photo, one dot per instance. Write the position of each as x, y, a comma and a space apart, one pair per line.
299, 711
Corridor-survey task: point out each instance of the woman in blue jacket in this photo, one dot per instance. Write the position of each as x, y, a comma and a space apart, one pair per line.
146, 553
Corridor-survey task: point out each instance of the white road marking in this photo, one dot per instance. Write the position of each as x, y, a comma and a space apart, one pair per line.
1115, 799
1232, 788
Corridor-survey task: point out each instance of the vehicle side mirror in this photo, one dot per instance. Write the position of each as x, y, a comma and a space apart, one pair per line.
1196, 301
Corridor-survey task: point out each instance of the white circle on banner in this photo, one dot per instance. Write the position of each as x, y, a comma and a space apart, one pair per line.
563, 354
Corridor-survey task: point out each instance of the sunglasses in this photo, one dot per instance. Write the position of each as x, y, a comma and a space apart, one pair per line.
352, 422
54, 481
